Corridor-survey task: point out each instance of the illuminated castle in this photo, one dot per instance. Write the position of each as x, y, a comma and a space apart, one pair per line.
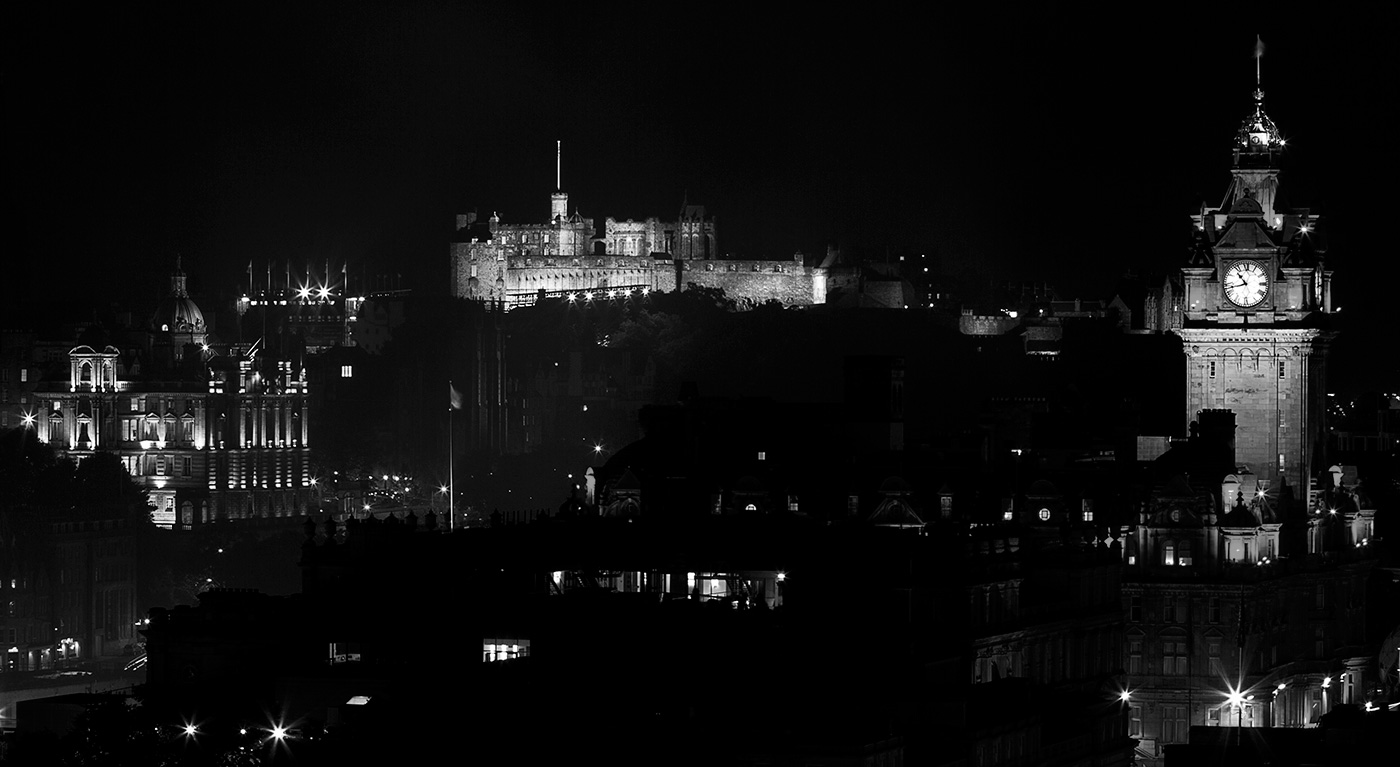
515, 264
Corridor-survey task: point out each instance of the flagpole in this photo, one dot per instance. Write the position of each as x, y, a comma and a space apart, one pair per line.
451, 465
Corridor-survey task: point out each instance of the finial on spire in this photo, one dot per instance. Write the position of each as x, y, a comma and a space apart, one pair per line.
1258, 54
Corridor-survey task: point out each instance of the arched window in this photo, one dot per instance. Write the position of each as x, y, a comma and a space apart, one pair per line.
1169, 552
1184, 556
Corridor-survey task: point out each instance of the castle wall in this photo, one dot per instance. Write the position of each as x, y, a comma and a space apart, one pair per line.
751, 283
985, 325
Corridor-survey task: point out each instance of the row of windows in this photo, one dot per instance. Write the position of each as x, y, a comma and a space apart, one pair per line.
158, 465
1282, 367
1176, 657
1175, 609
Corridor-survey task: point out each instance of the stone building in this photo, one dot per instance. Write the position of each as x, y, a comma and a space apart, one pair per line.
566, 257
212, 431
1247, 564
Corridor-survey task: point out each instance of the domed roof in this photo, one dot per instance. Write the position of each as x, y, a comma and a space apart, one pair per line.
177, 313
1257, 133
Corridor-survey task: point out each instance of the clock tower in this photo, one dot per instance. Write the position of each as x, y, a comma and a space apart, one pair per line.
1253, 316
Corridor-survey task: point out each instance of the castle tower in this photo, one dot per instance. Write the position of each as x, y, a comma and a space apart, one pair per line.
1256, 305
559, 201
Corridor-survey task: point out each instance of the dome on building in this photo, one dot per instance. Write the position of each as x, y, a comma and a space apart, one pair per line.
178, 314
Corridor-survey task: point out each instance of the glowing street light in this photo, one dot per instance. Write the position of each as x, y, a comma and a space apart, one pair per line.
191, 730
1125, 696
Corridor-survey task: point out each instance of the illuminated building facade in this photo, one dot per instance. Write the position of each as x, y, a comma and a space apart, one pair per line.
566, 257
1247, 567
1251, 306
212, 431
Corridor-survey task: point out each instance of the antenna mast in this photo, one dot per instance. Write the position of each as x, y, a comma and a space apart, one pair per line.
558, 165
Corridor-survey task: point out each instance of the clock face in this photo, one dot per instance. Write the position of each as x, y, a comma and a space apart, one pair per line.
1246, 283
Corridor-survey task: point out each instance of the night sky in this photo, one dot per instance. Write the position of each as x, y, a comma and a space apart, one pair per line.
1010, 145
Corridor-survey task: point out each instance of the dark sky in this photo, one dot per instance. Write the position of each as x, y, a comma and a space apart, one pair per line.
1037, 145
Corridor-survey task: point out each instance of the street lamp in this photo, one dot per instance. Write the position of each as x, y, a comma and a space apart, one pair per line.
1236, 699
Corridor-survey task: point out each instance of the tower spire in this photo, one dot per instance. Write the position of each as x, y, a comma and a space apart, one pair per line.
558, 165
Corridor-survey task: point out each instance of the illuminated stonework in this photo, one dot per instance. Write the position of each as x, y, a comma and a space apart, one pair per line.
516, 264
222, 439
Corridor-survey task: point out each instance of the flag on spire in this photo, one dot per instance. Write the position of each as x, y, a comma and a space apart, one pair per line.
454, 397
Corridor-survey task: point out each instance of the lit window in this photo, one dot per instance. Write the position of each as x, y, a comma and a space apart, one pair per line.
1183, 557
762, 455
1044, 515
24, 375
751, 507
1006, 515
347, 371
1169, 553
504, 649
1088, 516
